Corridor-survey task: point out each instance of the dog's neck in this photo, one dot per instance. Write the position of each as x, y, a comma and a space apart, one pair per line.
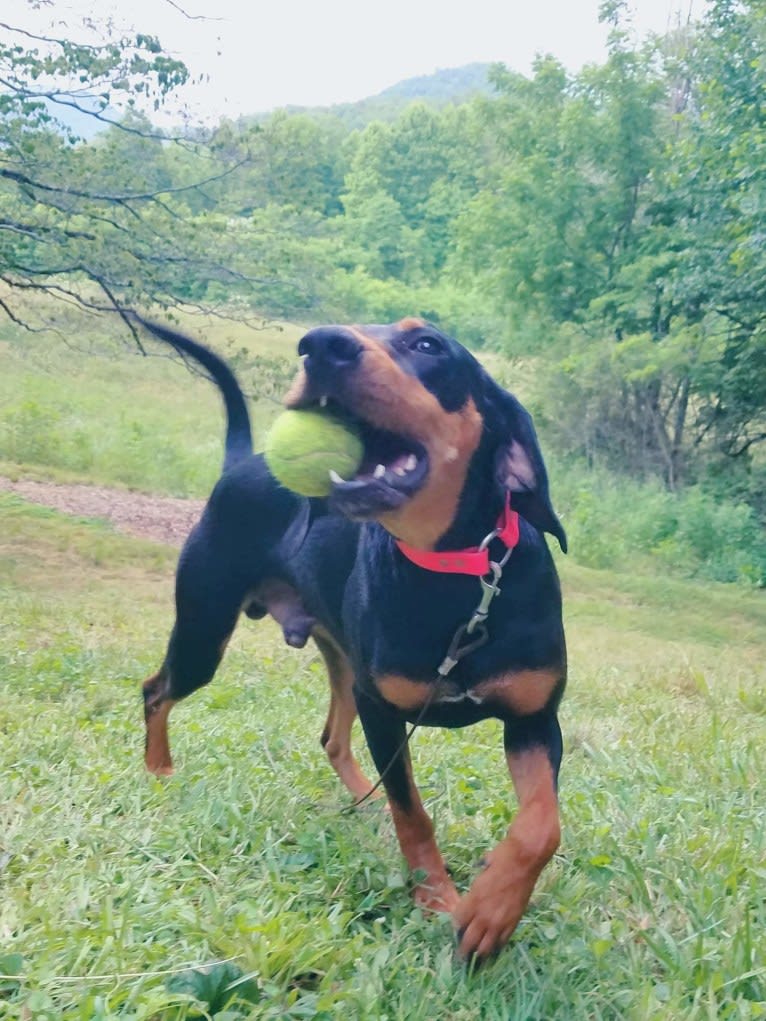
478, 509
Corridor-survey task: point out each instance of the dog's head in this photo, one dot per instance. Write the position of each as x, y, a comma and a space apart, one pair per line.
430, 418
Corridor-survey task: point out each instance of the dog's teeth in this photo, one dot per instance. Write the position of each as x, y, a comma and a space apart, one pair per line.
379, 472
334, 477
399, 470
411, 463
323, 401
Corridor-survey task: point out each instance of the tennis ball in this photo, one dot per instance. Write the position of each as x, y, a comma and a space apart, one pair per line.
303, 446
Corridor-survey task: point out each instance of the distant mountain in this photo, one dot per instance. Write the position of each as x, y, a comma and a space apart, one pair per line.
447, 85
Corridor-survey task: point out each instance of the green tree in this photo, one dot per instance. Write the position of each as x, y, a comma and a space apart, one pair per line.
721, 173
382, 243
618, 222
107, 223
687, 368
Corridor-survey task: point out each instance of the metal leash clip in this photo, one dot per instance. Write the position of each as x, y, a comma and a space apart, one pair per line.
484, 544
456, 650
489, 589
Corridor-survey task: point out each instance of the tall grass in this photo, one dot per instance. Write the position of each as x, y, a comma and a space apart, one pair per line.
614, 522
101, 413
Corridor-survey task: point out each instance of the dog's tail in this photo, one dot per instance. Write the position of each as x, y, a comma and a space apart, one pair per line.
239, 437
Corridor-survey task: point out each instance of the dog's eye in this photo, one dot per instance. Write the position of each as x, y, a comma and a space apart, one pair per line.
426, 346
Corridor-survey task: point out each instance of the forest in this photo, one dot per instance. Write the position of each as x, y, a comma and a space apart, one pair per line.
603, 231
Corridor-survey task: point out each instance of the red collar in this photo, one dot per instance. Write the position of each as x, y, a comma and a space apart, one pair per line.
473, 560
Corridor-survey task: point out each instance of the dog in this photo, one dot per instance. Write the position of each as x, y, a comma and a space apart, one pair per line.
425, 581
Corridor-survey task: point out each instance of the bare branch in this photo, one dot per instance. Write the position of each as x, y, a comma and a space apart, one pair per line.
35, 230
62, 99
123, 313
750, 442
24, 179
47, 39
191, 17
15, 228
129, 129
19, 322
77, 299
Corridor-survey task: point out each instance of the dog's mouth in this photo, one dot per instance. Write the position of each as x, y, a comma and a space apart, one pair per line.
393, 469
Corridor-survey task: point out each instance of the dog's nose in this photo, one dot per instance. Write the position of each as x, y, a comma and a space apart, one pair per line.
330, 346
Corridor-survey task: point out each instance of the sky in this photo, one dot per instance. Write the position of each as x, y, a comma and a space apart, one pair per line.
262, 54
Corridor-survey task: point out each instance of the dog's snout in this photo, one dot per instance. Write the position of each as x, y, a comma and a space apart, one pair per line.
330, 346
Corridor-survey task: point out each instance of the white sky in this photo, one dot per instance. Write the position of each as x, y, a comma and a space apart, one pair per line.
268, 53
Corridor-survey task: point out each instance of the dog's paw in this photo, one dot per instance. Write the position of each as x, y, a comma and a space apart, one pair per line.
440, 896
487, 915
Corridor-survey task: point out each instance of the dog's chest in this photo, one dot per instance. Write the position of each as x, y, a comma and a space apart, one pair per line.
518, 693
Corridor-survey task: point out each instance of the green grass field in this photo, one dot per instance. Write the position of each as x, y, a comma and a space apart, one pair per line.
95, 411
114, 884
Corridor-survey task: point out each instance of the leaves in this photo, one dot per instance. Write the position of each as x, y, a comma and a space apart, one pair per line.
118, 222
216, 987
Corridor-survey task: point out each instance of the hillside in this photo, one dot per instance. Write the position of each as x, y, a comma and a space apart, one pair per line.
444, 86
246, 865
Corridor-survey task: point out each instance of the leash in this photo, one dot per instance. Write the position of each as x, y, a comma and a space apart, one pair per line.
471, 635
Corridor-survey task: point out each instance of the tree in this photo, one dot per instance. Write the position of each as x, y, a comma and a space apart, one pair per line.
113, 222
618, 227
685, 304
721, 172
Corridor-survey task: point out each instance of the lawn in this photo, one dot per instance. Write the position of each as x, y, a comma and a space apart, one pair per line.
93, 410
114, 884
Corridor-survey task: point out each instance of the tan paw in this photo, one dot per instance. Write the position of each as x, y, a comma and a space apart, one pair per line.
437, 896
487, 915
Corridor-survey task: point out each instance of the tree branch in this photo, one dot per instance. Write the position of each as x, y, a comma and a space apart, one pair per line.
191, 17
24, 179
19, 322
122, 312
49, 39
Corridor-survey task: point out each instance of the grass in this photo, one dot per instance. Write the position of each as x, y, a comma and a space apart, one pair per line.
115, 888
97, 412
114, 884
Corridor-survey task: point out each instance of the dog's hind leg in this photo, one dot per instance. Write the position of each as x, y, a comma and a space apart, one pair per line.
336, 736
192, 659
208, 603
157, 706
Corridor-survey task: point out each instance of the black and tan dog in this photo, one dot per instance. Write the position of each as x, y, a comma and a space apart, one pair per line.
444, 447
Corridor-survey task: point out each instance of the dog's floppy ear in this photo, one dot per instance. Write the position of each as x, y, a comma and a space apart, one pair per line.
519, 465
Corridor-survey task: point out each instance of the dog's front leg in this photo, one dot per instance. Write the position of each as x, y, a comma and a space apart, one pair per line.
490, 911
385, 731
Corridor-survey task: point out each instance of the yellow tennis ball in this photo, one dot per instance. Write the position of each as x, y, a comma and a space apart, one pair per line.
302, 447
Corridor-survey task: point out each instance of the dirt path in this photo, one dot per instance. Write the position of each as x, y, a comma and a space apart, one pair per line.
165, 519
